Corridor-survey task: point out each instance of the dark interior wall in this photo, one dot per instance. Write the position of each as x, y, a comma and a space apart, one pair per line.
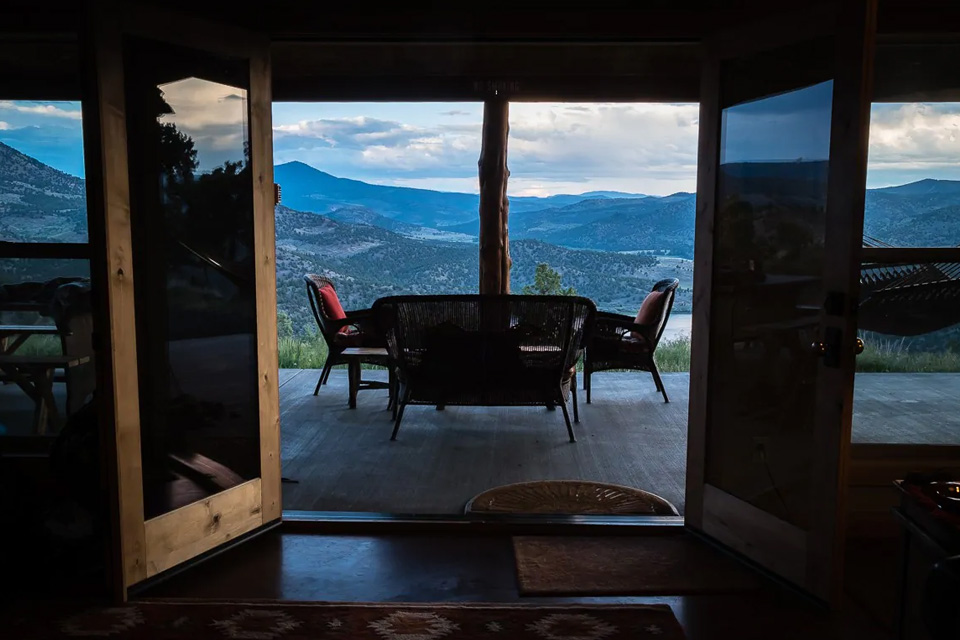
472, 71
523, 50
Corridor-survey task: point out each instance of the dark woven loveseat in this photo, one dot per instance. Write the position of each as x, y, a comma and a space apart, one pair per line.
485, 350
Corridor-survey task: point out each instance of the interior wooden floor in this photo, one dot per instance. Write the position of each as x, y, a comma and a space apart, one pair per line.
438, 568
343, 459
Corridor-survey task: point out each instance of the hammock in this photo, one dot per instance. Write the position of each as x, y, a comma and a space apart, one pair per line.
908, 299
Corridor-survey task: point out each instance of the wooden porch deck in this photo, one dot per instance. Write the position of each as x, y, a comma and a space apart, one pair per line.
344, 460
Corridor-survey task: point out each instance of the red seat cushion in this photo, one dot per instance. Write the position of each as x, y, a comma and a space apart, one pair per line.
331, 307
650, 311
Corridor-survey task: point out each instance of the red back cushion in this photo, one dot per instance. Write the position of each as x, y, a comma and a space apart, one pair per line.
651, 310
331, 303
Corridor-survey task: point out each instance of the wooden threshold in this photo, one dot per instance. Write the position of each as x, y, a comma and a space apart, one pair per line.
493, 524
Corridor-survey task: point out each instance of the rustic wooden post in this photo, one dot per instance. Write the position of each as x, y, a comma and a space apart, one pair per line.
494, 205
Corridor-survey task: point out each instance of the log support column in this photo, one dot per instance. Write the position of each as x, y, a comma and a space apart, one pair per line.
494, 206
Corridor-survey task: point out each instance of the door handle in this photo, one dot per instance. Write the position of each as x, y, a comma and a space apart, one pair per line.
819, 349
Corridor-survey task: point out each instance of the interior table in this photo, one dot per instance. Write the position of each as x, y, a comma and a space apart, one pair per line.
34, 375
12, 336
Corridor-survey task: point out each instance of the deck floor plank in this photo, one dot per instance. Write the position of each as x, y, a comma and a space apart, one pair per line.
344, 459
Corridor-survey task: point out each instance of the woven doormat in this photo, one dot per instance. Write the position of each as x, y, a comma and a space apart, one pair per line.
626, 566
316, 621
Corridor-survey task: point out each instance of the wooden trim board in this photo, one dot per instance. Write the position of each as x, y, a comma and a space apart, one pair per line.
698, 409
264, 247
769, 541
846, 193
196, 528
110, 183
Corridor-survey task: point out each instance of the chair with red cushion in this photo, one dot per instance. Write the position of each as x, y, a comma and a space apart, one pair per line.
342, 329
623, 342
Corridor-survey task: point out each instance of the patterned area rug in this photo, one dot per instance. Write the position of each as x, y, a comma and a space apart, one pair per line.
289, 621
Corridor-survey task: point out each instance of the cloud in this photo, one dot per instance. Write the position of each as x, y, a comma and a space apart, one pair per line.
214, 115
912, 141
455, 112
553, 148
4, 125
40, 109
914, 135
650, 148
381, 150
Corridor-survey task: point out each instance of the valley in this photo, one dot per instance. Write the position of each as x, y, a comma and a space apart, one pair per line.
377, 240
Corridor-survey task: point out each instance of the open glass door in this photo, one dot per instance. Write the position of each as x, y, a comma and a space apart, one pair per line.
187, 189
783, 150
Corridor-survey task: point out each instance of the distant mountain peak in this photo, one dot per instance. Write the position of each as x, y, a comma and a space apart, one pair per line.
926, 186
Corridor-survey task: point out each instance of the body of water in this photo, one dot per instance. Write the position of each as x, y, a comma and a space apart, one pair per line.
679, 324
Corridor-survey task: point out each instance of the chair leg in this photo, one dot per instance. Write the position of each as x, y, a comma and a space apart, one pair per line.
323, 376
316, 391
586, 382
566, 417
658, 381
396, 422
391, 391
573, 392
326, 370
353, 371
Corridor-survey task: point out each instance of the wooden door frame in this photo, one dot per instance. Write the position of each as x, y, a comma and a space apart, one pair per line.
740, 526
144, 548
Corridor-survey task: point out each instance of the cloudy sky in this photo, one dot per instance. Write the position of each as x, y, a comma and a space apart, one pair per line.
554, 148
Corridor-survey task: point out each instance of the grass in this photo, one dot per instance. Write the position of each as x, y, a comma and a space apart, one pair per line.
310, 352
893, 356
41, 346
673, 356
302, 352
879, 356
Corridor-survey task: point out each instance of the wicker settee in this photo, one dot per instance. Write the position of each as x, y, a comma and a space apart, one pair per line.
485, 350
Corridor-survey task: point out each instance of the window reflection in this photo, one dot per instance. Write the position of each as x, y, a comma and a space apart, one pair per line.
768, 258
196, 308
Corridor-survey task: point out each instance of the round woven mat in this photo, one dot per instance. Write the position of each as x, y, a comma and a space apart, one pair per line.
569, 497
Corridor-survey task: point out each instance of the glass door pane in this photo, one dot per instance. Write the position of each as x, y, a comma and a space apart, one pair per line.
768, 257
192, 213
778, 239
767, 290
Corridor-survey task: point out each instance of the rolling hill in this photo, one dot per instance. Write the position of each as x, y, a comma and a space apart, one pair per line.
376, 240
37, 202
368, 262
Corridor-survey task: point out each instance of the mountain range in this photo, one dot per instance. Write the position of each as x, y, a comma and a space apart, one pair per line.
376, 240
923, 213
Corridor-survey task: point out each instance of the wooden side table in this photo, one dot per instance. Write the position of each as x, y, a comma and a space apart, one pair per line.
354, 356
